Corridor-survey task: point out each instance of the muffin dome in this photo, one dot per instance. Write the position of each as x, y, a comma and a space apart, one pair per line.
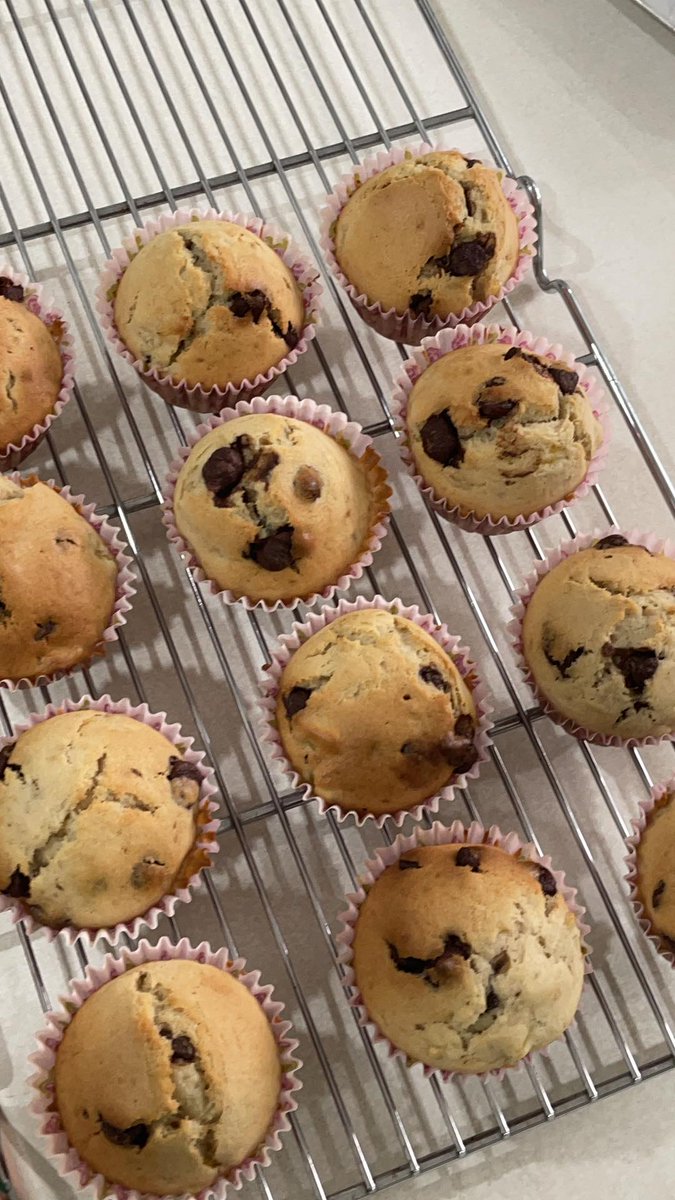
208, 303
655, 870
31, 370
468, 957
501, 432
274, 508
97, 819
599, 639
374, 715
167, 1077
57, 582
433, 234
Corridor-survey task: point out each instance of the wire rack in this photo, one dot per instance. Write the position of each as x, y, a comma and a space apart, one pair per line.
114, 112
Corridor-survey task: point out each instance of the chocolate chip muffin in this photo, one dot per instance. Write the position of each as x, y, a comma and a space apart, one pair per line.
599, 639
497, 431
208, 303
467, 957
31, 369
655, 870
432, 234
374, 715
274, 508
98, 819
167, 1077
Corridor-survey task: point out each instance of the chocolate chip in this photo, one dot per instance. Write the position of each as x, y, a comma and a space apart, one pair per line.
223, 471
455, 945
566, 380
542, 368
500, 963
136, 1135
563, 665
547, 881
408, 864
468, 857
19, 886
307, 484
296, 700
165, 1032
658, 893
465, 726
513, 352
636, 664
420, 303
274, 552
472, 162
11, 290
262, 466
44, 630
4, 758
492, 1001
291, 336
254, 302
496, 381
470, 258
180, 769
609, 542
441, 440
432, 676
470, 206
5, 614
494, 410
459, 753
183, 1050
410, 965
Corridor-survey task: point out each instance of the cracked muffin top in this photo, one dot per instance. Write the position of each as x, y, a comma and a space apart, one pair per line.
167, 1077
209, 303
467, 957
274, 508
31, 370
599, 639
374, 714
500, 432
57, 582
98, 819
655, 870
432, 234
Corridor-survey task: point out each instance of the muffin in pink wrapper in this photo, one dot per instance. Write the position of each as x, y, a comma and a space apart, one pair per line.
126, 820
209, 307
374, 710
425, 238
499, 429
171, 1068
65, 581
38, 363
277, 501
594, 630
651, 868
464, 950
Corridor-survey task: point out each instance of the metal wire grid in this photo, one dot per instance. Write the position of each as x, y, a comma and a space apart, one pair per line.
610, 1049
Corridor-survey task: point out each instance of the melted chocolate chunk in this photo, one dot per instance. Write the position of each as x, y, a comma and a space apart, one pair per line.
492, 1000
19, 886
420, 303
307, 484
512, 352
547, 881
470, 258
637, 665
432, 676
263, 465
223, 471
180, 769
4, 758
611, 541
136, 1135
291, 336
44, 630
11, 290
468, 857
182, 1050
494, 410
500, 963
658, 893
408, 864
464, 726
472, 162
566, 380
410, 965
455, 945
468, 199
296, 700
460, 753
562, 665
254, 302
496, 381
274, 552
441, 440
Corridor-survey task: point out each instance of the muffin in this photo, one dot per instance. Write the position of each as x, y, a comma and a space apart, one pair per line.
208, 303
374, 715
167, 1077
430, 235
498, 431
57, 582
599, 639
467, 958
98, 819
31, 370
273, 508
654, 871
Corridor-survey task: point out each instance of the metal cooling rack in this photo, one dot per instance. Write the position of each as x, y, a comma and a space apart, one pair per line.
173, 91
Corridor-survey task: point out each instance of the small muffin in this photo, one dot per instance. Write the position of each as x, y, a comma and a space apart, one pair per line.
599, 639
499, 432
655, 870
31, 370
374, 715
208, 303
98, 819
57, 582
467, 957
167, 1077
432, 234
274, 508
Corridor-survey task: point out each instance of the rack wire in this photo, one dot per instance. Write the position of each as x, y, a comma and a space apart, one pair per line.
118, 111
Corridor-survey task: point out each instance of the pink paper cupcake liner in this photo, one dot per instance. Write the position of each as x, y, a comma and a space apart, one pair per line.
13, 454
124, 590
199, 399
338, 426
524, 594
405, 327
43, 1107
206, 841
639, 825
281, 654
441, 835
454, 339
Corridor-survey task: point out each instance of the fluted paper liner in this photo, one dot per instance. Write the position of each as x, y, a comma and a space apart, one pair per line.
515, 626
197, 398
206, 846
43, 1107
665, 947
124, 588
441, 835
13, 454
281, 654
430, 351
406, 326
336, 425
